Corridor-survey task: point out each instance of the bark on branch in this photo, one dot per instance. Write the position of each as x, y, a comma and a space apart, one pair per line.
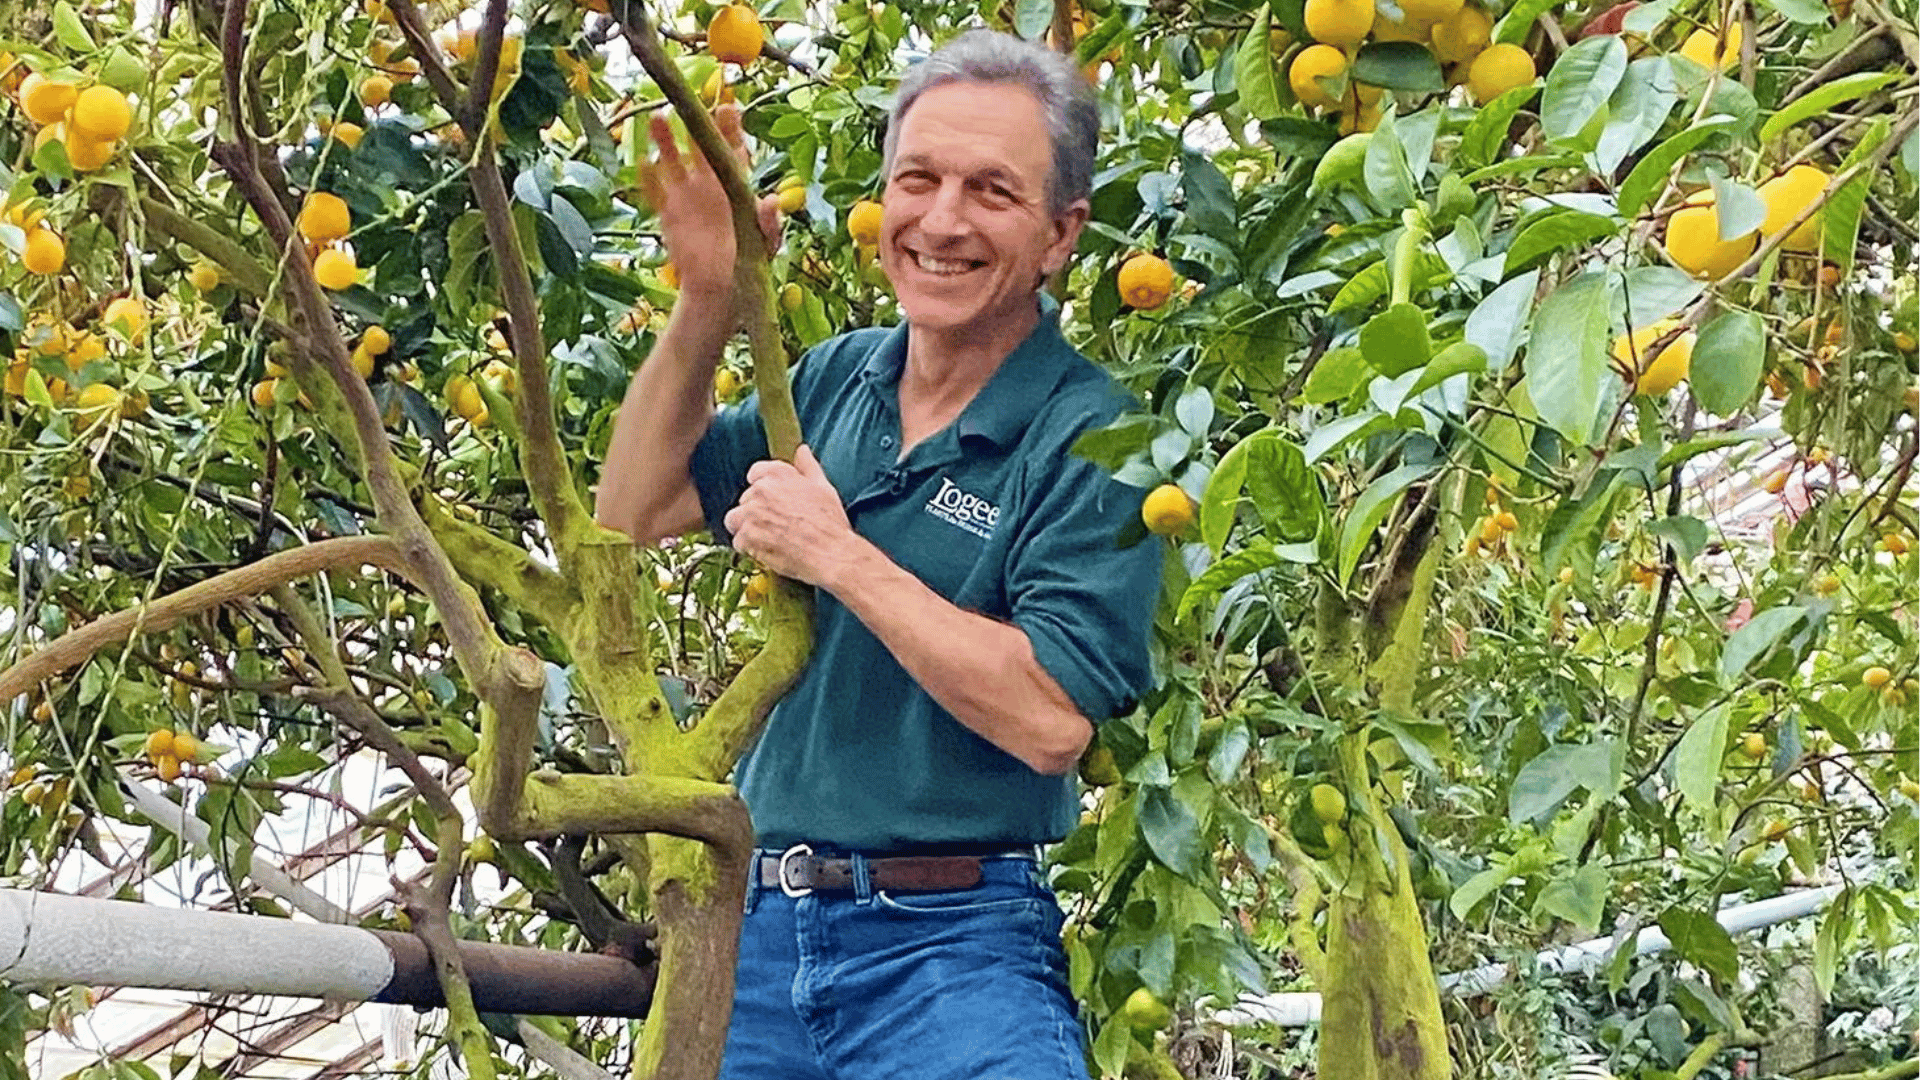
254, 579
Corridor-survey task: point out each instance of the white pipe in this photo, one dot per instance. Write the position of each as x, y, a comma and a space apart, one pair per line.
175, 818
1302, 1010
50, 938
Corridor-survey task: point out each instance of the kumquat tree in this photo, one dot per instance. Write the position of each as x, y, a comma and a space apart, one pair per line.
1525, 410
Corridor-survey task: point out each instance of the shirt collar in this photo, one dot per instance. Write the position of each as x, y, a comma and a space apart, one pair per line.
1014, 393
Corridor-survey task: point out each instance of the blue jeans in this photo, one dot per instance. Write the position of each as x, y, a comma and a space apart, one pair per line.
963, 985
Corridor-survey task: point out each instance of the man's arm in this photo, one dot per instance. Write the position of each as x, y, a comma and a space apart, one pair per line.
982, 671
645, 489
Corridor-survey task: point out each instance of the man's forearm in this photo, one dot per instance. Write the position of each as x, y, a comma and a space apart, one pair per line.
667, 407
979, 669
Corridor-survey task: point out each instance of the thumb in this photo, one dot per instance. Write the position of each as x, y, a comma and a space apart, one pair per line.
806, 463
770, 222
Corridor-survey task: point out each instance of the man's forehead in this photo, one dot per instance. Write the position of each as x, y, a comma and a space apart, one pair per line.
976, 128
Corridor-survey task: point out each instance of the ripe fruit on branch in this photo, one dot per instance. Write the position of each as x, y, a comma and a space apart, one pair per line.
335, 269
734, 36
324, 217
1316, 75
1498, 69
1339, 22
1694, 244
1145, 281
44, 252
1706, 48
1167, 511
1463, 36
863, 222
45, 101
1786, 196
1654, 375
102, 113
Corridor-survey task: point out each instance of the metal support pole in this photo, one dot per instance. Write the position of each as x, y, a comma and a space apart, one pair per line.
54, 939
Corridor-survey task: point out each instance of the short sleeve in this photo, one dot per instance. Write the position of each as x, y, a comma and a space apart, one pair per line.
720, 460
1085, 603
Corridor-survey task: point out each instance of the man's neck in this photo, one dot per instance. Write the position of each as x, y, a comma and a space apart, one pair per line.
949, 368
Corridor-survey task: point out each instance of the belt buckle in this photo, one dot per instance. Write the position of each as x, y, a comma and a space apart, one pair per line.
787, 856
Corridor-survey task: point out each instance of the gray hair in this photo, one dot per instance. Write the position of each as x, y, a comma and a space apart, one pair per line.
1066, 101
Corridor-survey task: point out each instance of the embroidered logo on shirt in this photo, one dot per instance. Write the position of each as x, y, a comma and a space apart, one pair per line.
956, 507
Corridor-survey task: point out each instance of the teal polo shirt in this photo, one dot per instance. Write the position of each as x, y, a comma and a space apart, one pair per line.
997, 515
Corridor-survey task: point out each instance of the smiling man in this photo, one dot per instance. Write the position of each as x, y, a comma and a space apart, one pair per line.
974, 615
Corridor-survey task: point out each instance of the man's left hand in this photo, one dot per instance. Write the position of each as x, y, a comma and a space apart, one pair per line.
790, 519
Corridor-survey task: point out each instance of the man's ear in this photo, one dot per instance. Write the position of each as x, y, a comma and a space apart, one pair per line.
1067, 226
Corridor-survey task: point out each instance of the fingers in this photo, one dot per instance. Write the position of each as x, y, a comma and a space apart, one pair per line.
806, 463
665, 143
728, 118
770, 222
761, 470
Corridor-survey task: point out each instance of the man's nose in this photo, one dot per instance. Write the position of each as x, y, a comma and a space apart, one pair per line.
946, 213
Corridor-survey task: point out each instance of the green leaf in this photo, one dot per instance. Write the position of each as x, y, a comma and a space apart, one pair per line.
1398, 65
1459, 358
1566, 359
1499, 321
1513, 26
1841, 215
1229, 753
1687, 534
1284, 491
1805, 12
1253, 71
1171, 831
1653, 171
1579, 84
1110, 1047
70, 29
1697, 758
1543, 783
1395, 341
1336, 375
1636, 112
1757, 638
1580, 899
1477, 888
1655, 292
1224, 486
1700, 939
1362, 289
1557, 232
1389, 177
1573, 531
1738, 208
1032, 17
1209, 199
1818, 101
1727, 362
1343, 162
1368, 511
1486, 133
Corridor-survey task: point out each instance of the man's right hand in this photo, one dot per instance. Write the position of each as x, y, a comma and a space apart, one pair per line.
696, 223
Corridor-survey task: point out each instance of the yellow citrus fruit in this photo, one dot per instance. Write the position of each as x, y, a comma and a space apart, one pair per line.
465, 397
1145, 281
375, 91
863, 222
1430, 11
1894, 543
792, 296
185, 746
757, 589
734, 36
324, 217
1145, 1012
44, 253
1654, 375
204, 277
715, 90
1463, 35
86, 153
16, 380
376, 340
1694, 244
45, 101
362, 362
84, 349
102, 112
262, 393
1329, 805
1414, 30
1753, 745
335, 269
1704, 47
158, 743
1875, 677
126, 315
167, 767
1167, 511
97, 400
1786, 196
1315, 63
669, 275
1339, 22
348, 133
793, 197
1359, 117
1498, 69
725, 384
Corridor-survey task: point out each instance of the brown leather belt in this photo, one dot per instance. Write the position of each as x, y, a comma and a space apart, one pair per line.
798, 871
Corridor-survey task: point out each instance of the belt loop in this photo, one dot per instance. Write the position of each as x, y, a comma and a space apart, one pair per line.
753, 884
862, 878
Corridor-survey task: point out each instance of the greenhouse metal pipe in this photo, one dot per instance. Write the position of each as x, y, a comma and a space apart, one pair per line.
1301, 1010
55, 939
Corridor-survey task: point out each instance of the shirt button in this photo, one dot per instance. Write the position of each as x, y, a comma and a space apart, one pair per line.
886, 442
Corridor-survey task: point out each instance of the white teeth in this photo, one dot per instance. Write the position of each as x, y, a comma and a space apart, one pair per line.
941, 266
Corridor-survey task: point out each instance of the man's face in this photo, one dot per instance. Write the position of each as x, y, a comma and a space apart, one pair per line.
966, 233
